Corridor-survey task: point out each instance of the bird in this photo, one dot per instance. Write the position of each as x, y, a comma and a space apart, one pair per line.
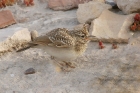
63, 44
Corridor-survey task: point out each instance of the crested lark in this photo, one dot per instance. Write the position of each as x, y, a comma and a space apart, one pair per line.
62, 44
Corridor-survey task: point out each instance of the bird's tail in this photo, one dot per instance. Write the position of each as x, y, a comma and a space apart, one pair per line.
20, 50
25, 48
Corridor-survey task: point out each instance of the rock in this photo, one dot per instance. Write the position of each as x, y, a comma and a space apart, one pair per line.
13, 38
64, 4
6, 18
113, 4
63, 21
128, 6
29, 71
111, 27
102, 1
91, 10
80, 26
34, 34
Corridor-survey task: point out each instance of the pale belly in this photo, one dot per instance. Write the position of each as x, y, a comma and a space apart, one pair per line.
64, 54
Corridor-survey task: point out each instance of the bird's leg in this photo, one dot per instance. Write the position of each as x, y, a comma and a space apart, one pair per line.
64, 66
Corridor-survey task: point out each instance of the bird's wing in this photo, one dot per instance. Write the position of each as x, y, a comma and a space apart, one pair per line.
60, 38
57, 37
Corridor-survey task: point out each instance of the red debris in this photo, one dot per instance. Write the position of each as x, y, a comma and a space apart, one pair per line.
114, 46
29, 2
101, 46
136, 25
137, 17
133, 27
4, 3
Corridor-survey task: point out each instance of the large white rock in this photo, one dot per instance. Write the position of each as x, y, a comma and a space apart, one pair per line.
64, 4
111, 27
91, 10
13, 38
103, 1
128, 6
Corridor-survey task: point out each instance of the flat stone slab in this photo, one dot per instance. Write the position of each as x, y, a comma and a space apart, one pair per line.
112, 27
6, 18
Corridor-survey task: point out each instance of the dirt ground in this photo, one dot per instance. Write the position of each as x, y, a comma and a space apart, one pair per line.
97, 71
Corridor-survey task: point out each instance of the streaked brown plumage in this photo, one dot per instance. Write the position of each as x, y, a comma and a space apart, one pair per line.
61, 43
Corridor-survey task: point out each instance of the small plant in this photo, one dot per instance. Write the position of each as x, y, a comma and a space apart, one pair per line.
4, 3
136, 25
28, 2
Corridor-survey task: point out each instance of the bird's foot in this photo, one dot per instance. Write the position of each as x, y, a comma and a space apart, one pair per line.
52, 57
64, 66
67, 66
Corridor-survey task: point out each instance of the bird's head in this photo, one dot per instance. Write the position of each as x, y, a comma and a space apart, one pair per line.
82, 35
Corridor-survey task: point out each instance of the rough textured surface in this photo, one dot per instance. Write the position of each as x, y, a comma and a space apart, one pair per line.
91, 10
64, 4
80, 26
14, 39
112, 27
97, 71
128, 6
6, 18
103, 1
33, 34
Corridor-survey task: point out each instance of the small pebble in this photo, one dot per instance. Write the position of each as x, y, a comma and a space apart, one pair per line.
29, 71
12, 75
58, 69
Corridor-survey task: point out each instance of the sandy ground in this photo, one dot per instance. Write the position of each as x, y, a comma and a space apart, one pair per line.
97, 71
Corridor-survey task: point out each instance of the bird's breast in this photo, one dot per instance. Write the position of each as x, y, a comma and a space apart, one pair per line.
64, 54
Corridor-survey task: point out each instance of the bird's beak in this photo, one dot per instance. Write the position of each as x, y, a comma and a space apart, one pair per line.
90, 37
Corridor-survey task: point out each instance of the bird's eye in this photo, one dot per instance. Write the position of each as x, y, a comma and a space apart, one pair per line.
82, 36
